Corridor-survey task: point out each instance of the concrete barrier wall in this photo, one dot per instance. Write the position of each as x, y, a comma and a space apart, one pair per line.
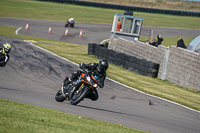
182, 68
131, 63
140, 50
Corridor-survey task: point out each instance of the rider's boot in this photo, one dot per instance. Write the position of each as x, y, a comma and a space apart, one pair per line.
67, 80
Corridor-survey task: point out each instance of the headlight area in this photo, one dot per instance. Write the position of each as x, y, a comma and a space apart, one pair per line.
91, 82
95, 85
88, 78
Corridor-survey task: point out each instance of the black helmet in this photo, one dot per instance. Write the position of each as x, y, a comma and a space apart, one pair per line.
103, 65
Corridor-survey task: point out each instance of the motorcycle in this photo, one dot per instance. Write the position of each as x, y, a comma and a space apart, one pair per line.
78, 89
3, 60
70, 24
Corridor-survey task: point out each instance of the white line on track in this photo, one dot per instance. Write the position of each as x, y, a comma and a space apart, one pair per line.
16, 32
116, 81
104, 41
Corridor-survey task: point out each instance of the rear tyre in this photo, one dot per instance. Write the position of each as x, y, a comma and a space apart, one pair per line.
79, 95
59, 96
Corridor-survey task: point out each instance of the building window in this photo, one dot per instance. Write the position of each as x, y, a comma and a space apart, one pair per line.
128, 25
136, 26
120, 22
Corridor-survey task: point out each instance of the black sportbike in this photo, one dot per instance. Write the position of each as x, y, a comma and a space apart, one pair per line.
78, 89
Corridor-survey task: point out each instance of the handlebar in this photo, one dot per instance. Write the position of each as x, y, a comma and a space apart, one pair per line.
83, 68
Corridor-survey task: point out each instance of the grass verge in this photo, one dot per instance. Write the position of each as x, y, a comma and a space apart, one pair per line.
23, 118
160, 4
78, 53
34, 9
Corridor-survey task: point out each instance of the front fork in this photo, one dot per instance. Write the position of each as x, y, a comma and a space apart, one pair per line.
74, 90
62, 89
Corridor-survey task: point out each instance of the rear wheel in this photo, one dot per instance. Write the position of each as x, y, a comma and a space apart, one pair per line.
79, 95
59, 96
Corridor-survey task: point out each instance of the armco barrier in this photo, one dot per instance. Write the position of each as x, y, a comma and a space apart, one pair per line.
91, 48
132, 8
141, 66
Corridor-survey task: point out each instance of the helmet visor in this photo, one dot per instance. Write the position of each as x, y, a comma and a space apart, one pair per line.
103, 68
7, 50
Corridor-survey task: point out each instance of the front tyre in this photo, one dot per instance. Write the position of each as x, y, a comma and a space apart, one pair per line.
59, 96
79, 95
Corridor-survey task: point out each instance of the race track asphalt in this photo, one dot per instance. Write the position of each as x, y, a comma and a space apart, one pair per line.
91, 33
33, 76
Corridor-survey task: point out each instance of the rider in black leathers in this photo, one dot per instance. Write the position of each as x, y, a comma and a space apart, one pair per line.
98, 68
70, 22
4, 57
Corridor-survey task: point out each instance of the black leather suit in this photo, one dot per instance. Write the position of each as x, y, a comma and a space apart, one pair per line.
4, 58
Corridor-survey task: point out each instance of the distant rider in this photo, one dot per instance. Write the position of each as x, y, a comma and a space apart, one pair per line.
97, 68
71, 22
4, 57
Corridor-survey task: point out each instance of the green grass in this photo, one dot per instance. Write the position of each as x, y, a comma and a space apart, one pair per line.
33, 9
163, 20
22, 118
161, 4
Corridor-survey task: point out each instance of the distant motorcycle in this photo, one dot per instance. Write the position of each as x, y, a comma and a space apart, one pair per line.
70, 24
78, 89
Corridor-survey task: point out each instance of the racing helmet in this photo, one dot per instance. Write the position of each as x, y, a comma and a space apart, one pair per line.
7, 47
71, 19
103, 65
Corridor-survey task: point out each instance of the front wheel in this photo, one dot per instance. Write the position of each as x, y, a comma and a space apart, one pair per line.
79, 95
59, 96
